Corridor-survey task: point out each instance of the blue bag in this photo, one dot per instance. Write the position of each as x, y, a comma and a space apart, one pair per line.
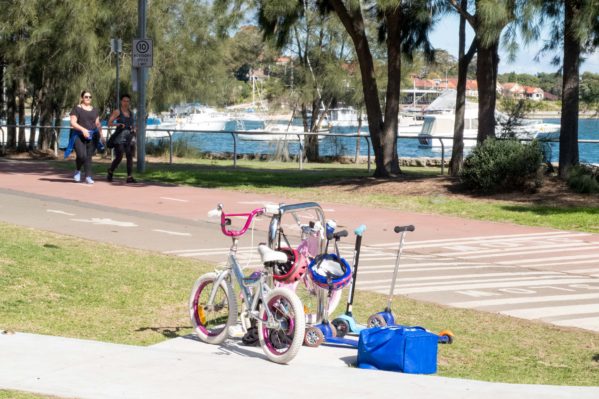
397, 348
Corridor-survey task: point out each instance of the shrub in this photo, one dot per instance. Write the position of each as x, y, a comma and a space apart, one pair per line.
503, 165
584, 180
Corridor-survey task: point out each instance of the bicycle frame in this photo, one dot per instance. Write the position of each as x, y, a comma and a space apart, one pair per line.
253, 299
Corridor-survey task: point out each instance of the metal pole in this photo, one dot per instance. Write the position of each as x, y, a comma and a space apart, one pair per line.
442, 157
118, 51
141, 82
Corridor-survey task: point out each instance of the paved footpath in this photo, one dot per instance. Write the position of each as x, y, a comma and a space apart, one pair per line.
527, 272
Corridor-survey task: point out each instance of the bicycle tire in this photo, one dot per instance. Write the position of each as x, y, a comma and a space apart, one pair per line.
282, 344
212, 324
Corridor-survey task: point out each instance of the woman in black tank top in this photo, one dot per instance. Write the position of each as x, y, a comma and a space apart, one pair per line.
123, 119
85, 121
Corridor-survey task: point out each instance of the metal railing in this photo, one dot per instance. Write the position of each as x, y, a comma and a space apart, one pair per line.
55, 131
235, 136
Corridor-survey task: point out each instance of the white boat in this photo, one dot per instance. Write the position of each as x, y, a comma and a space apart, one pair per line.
204, 119
275, 132
346, 117
439, 119
409, 125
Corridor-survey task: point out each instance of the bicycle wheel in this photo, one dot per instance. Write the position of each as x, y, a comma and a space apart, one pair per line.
212, 321
282, 337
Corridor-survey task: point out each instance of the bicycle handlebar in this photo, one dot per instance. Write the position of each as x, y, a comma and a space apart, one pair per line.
399, 229
224, 217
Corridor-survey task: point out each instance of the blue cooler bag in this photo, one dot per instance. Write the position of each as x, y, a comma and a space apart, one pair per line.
407, 349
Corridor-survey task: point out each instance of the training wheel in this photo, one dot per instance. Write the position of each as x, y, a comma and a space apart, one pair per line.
341, 327
314, 337
376, 320
448, 337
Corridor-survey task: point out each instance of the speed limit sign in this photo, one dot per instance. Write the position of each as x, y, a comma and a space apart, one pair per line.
142, 56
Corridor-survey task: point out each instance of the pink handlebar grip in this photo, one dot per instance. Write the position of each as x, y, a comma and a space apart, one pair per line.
237, 233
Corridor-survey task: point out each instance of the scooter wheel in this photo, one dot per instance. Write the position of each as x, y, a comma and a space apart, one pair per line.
376, 320
314, 337
447, 337
341, 327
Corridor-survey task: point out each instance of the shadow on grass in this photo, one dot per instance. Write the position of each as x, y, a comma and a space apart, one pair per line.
541, 210
167, 332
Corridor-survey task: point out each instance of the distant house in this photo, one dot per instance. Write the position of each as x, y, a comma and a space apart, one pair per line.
283, 60
513, 90
534, 93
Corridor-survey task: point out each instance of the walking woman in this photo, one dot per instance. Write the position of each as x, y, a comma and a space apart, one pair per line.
86, 135
124, 135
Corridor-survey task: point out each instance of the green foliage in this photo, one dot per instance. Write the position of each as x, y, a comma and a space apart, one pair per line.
503, 165
583, 179
181, 148
516, 110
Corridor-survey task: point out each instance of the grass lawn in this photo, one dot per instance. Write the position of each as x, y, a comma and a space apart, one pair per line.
284, 178
52, 284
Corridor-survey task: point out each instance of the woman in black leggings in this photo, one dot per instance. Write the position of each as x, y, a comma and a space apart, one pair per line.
122, 118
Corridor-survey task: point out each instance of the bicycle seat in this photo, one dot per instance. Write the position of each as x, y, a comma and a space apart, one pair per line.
270, 255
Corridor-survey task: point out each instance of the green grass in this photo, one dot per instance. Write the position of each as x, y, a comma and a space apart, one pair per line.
279, 178
23, 395
52, 284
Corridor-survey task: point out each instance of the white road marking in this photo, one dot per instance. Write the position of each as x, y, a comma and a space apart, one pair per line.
474, 286
172, 233
542, 251
375, 270
554, 258
106, 222
60, 212
516, 301
588, 323
482, 239
202, 250
174, 199
584, 270
485, 278
552, 311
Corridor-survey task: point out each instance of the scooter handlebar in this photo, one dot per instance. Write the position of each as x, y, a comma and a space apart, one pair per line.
359, 231
337, 235
399, 229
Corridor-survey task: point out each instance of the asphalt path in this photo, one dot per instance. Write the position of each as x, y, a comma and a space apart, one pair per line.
527, 272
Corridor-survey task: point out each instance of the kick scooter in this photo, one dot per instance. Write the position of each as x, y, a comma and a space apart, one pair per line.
386, 317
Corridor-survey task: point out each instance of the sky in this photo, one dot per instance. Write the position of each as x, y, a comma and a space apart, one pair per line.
445, 36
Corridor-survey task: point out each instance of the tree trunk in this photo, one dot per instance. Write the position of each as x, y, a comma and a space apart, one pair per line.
568, 141
393, 90
487, 94
1, 86
11, 117
310, 142
457, 152
35, 117
354, 25
22, 140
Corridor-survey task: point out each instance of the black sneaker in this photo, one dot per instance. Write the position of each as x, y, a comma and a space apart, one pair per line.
109, 175
130, 179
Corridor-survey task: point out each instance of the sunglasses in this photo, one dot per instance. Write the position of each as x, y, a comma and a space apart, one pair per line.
87, 96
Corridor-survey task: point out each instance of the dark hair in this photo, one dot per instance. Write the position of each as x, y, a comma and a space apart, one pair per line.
126, 96
82, 94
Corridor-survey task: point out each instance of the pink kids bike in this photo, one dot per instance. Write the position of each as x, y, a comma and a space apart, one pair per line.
277, 312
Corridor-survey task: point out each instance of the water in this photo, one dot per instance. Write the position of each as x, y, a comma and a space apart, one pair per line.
346, 146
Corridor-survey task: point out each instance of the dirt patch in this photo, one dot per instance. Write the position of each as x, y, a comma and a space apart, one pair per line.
554, 192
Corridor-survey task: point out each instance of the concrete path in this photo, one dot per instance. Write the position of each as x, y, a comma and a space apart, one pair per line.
184, 368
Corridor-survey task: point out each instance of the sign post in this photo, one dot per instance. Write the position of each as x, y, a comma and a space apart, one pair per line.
142, 58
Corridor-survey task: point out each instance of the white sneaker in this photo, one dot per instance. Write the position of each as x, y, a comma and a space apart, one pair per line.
89, 180
77, 176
